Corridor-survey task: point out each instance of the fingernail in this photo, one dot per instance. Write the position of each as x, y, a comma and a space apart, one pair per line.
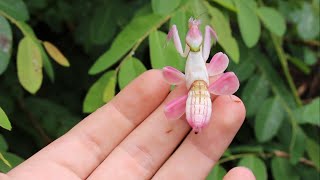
235, 98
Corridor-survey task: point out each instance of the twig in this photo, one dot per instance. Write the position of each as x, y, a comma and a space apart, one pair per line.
299, 64
311, 43
276, 153
284, 63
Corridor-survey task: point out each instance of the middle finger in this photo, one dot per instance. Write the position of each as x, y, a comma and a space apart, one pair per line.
142, 153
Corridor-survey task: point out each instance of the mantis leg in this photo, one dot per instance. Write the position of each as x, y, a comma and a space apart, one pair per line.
227, 84
207, 42
173, 33
176, 108
173, 76
218, 64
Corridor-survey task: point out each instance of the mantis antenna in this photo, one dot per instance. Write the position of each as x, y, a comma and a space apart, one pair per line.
201, 14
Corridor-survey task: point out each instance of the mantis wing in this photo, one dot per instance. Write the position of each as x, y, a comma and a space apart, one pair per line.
227, 84
176, 108
218, 64
173, 76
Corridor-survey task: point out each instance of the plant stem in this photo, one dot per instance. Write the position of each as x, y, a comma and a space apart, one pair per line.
284, 63
13, 21
311, 43
299, 64
275, 153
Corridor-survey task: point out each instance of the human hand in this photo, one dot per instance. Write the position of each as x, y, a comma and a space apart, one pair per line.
130, 138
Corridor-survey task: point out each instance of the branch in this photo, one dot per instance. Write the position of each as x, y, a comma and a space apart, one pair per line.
284, 63
276, 153
311, 43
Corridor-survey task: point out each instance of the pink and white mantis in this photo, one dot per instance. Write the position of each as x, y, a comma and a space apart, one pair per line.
197, 103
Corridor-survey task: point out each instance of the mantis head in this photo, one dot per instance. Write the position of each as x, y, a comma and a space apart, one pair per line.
194, 36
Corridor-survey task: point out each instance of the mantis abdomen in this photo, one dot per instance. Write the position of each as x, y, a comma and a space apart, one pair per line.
198, 106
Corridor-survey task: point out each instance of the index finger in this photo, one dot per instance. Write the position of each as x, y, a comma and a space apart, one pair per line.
84, 147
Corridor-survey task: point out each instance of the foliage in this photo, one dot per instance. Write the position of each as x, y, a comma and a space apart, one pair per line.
273, 45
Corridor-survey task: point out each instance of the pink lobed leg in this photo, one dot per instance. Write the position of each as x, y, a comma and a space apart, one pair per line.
227, 84
176, 108
218, 64
173, 76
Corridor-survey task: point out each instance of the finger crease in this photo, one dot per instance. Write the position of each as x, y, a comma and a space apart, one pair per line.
132, 121
64, 165
141, 155
211, 158
92, 143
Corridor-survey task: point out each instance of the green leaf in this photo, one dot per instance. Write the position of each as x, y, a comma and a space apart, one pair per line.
230, 45
28, 31
15, 9
313, 150
29, 65
13, 159
248, 22
268, 119
276, 83
180, 19
309, 113
3, 144
256, 165
3, 159
222, 27
307, 172
284, 135
307, 20
94, 97
251, 3
133, 33
218, 172
287, 101
46, 63
273, 20
55, 54
4, 121
197, 9
164, 7
129, 70
297, 144
227, 4
256, 90
309, 56
282, 169
164, 56
5, 44
245, 69
109, 90
103, 25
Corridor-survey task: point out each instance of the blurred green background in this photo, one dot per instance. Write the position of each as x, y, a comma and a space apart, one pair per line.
60, 60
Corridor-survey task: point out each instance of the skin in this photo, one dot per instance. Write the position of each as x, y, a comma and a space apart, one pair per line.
129, 138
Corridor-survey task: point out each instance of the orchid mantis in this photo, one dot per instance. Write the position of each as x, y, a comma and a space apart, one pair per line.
197, 103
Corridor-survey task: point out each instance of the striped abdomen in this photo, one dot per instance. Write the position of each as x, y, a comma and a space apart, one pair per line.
198, 107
